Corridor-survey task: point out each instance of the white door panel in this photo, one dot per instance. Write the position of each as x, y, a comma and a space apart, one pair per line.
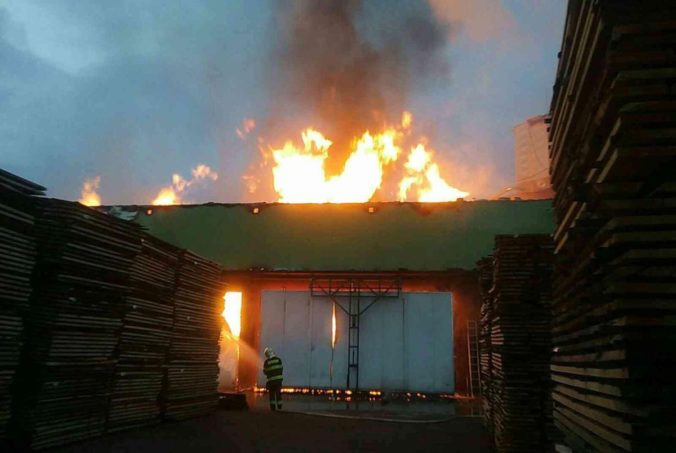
405, 343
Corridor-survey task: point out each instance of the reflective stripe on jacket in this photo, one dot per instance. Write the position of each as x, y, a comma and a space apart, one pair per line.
273, 369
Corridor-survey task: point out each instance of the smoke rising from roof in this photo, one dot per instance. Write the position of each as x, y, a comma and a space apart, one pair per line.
135, 91
347, 66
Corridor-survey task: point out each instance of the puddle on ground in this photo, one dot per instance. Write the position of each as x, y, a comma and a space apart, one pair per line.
413, 409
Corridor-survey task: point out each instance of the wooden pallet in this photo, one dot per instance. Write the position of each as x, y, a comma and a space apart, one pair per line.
108, 324
73, 323
613, 147
515, 341
103, 327
145, 337
18, 252
190, 373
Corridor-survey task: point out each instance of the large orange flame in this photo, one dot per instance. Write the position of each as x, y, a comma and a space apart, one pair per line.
89, 195
299, 174
423, 175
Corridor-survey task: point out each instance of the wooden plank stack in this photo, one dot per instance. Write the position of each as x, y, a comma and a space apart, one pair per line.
191, 371
73, 324
517, 322
17, 259
102, 327
145, 337
613, 150
485, 268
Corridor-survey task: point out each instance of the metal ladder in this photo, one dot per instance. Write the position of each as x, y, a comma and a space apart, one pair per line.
354, 288
353, 340
473, 358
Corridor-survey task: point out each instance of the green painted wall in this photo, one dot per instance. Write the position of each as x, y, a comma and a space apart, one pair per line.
346, 237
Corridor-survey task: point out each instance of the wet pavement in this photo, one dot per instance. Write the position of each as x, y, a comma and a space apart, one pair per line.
425, 409
264, 431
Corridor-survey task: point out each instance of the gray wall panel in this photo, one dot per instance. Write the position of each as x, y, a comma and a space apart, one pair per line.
394, 359
296, 342
272, 330
429, 342
320, 345
287, 315
381, 346
405, 344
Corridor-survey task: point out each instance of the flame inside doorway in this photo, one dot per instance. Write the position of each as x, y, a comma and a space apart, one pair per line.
232, 312
229, 357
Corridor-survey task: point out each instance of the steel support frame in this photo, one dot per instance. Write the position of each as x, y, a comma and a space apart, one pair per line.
355, 290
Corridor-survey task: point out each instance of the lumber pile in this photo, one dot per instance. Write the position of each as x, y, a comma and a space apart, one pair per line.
516, 320
485, 268
190, 380
145, 337
17, 252
102, 327
613, 150
73, 324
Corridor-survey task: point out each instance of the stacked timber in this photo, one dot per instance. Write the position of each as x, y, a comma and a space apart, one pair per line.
18, 253
485, 268
145, 337
72, 325
518, 314
191, 370
613, 150
96, 333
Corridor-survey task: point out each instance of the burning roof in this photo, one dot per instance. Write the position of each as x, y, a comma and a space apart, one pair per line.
344, 237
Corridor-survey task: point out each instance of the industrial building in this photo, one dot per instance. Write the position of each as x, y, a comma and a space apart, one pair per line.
413, 262
531, 157
554, 317
376, 298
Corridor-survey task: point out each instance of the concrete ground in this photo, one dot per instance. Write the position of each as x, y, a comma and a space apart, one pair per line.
259, 430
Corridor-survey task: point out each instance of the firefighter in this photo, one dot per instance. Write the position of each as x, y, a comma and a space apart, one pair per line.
273, 371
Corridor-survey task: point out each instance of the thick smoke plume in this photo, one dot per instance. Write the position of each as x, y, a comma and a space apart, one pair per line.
344, 66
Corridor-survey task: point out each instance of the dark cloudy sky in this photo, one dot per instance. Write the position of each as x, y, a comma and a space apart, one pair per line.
134, 91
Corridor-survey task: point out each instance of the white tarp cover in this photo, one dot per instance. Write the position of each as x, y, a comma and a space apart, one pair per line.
405, 343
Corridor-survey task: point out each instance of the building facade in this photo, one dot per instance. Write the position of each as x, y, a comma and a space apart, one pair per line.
295, 263
531, 149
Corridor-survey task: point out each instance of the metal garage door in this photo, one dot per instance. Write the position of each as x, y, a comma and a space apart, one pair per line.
405, 343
